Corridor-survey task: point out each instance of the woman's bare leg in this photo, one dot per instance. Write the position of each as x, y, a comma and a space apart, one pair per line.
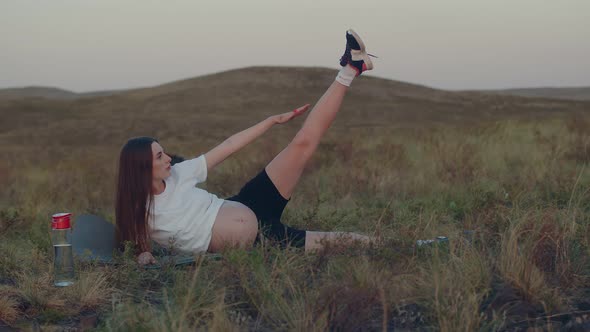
316, 240
286, 168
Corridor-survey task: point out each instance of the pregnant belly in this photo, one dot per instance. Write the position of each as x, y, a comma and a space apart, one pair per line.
231, 210
235, 224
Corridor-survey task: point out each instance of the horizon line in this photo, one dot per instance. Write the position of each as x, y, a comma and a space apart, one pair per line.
33, 86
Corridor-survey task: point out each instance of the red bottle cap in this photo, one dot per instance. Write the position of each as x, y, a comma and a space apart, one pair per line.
61, 220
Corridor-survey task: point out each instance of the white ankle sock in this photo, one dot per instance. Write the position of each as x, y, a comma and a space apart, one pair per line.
346, 75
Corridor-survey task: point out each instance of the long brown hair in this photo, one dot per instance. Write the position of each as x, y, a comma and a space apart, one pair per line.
135, 198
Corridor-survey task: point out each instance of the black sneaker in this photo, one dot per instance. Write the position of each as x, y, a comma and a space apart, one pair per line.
355, 53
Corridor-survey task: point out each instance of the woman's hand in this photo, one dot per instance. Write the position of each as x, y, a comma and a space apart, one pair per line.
146, 258
282, 118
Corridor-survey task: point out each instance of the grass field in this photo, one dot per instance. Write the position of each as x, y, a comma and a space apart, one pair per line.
402, 163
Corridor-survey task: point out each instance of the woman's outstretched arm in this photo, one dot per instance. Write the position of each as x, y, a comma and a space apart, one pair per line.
244, 137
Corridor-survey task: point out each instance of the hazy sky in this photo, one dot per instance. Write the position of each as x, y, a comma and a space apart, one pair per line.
85, 45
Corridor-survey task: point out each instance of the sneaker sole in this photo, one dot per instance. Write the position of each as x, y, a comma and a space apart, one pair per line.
364, 55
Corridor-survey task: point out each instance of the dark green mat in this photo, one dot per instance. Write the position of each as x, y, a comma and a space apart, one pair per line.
93, 239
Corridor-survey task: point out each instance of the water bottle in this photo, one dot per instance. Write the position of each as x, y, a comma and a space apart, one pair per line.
61, 237
426, 246
439, 240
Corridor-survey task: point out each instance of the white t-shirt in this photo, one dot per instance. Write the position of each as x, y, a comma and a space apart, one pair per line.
184, 213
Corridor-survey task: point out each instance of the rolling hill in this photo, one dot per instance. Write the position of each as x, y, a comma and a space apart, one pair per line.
48, 92
578, 93
217, 105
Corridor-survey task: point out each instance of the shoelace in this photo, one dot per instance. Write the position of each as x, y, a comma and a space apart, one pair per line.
347, 56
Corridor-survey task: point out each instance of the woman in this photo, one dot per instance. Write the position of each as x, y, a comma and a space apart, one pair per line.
159, 201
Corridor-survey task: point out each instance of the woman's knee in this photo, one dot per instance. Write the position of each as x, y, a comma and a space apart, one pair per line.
305, 141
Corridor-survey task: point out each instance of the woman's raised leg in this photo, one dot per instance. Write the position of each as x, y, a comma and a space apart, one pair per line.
286, 168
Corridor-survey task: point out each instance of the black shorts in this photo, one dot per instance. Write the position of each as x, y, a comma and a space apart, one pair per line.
262, 197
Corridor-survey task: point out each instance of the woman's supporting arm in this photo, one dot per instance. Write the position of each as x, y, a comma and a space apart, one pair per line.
146, 258
244, 137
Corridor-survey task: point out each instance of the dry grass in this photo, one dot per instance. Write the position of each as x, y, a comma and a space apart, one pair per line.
517, 266
8, 309
90, 291
402, 162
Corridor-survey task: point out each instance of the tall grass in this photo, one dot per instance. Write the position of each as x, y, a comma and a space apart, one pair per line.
519, 187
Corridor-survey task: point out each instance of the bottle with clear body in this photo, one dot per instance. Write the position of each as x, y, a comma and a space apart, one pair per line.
425, 247
61, 238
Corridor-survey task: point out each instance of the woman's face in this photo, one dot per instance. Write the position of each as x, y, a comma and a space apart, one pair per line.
161, 163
